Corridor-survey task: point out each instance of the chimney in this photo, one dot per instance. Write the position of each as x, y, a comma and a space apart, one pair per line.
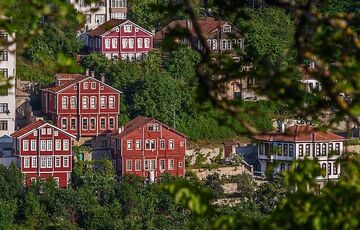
102, 75
121, 129
153, 30
87, 72
92, 74
281, 126
189, 23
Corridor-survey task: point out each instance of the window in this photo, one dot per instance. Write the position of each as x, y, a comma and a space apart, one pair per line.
99, 18
137, 165
111, 102
103, 102
317, 149
147, 42
138, 144
87, 18
146, 166
33, 179
209, 43
114, 42
73, 102
241, 43
127, 28
66, 145
93, 85
118, 3
34, 162
3, 125
49, 162
33, 145
72, 123
57, 181
26, 162
124, 43
152, 164
280, 151
85, 102
64, 123
4, 55
86, 85
128, 165
286, 150
103, 123
107, 43
150, 144
66, 161
162, 164
129, 145
227, 29
214, 44
329, 168
223, 44
323, 150
162, 144
57, 145
171, 164
131, 43
25, 145
49, 144
48, 131
4, 73
92, 102
335, 169
171, 144
307, 150
331, 147
85, 123
180, 164
92, 123
261, 148
4, 108
111, 123
43, 162
337, 148
64, 102
228, 42
139, 43
301, 150
291, 150
43, 145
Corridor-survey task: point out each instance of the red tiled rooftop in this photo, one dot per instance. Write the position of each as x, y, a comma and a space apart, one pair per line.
54, 88
106, 26
300, 133
27, 128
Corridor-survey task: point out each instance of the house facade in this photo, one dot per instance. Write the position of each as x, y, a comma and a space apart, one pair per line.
299, 142
120, 39
221, 36
44, 151
148, 148
82, 105
7, 83
97, 13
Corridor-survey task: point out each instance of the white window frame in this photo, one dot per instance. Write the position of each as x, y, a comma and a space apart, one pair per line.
42, 162
49, 162
162, 144
25, 145
102, 119
34, 162
147, 42
128, 165
73, 102
103, 102
85, 85
66, 145
171, 164
64, 123
43, 131
138, 145
82, 123
162, 164
33, 145
111, 119
64, 102
114, 43
171, 144
127, 28
137, 165
58, 145
140, 43
57, 162
26, 162
72, 119
111, 102
93, 85
90, 123
131, 43
129, 145
107, 43
85, 102
92, 102
65, 161
49, 145
124, 43
43, 145
226, 28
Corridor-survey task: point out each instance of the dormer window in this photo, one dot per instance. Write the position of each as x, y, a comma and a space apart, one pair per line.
127, 28
153, 127
227, 29
85, 85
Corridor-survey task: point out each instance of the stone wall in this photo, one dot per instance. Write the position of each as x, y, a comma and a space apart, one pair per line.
209, 153
353, 148
229, 188
226, 171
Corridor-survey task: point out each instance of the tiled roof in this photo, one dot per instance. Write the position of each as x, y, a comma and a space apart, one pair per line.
54, 88
139, 122
207, 26
27, 128
106, 26
300, 133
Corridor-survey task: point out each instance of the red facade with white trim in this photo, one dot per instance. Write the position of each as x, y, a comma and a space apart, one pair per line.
44, 151
148, 148
119, 38
82, 105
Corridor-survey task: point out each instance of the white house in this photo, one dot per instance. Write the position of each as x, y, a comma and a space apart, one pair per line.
7, 76
299, 142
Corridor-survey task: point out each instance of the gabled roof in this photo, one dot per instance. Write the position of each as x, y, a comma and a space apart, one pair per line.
207, 26
35, 125
76, 78
139, 122
109, 25
300, 133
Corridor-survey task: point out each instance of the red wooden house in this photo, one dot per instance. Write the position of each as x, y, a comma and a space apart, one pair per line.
119, 38
148, 148
44, 151
82, 105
